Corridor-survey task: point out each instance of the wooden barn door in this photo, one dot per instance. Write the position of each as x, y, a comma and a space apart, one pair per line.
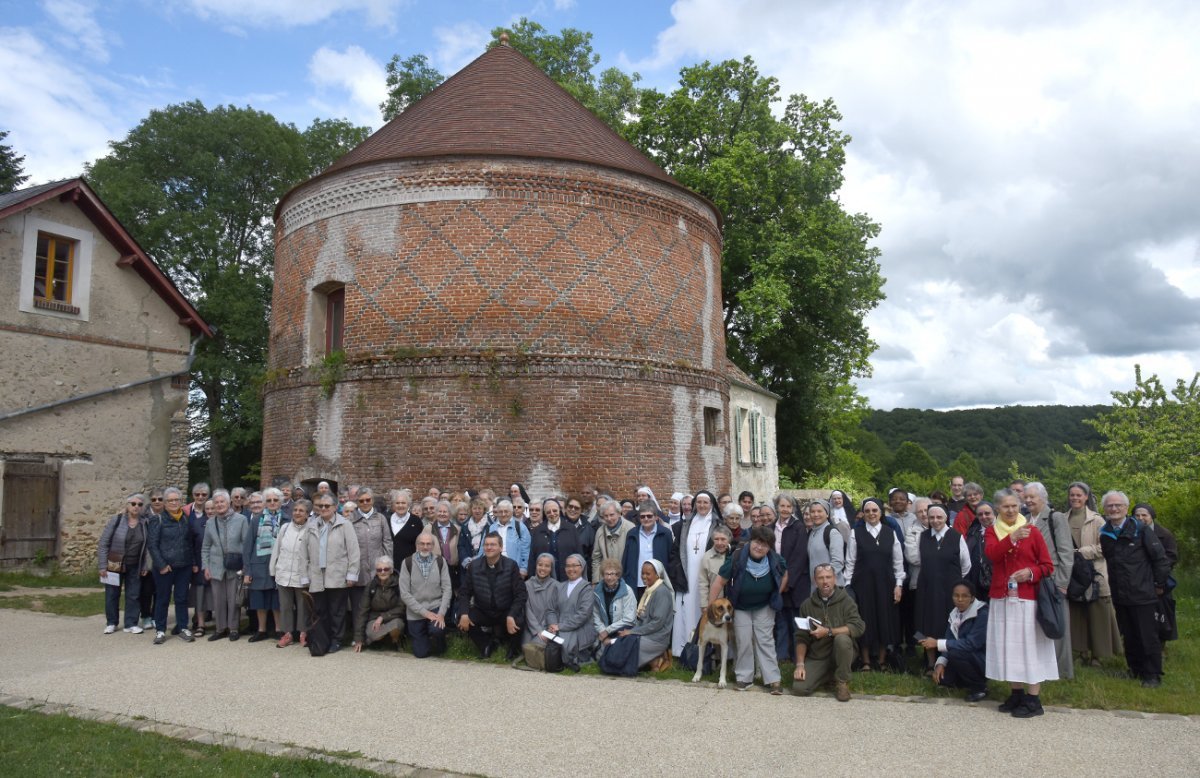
30, 511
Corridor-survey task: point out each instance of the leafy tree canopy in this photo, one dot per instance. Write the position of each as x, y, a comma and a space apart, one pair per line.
408, 80
12, 167
197, 188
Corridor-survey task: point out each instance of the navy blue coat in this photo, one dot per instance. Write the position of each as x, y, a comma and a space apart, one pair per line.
663, 548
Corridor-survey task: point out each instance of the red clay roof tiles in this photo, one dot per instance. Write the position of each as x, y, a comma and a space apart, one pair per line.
502, 105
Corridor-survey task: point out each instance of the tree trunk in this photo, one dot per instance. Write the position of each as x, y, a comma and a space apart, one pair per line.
216, 469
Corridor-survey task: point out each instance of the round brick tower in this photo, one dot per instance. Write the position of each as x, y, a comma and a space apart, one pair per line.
496, 287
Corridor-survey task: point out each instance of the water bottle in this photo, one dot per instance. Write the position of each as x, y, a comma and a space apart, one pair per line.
1012, 588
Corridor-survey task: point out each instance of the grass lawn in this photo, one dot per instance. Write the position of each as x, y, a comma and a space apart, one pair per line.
53, 579
64, 605
90, 748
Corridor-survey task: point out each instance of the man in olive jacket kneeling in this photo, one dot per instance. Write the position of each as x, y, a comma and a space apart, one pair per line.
826, 650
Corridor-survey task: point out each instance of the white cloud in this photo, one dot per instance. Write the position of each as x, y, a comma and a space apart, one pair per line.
78, 20
1035, 163
56, 112
294, 13
360, 78
458, 44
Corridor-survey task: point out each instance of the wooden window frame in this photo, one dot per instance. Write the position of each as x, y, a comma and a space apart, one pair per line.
52, 262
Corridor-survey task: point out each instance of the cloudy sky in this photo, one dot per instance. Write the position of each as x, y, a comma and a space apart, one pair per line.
1035, 166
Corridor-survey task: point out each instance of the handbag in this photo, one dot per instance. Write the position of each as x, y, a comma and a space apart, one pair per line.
232, 560
1051, 609
546, 657
115, 563
1084, 585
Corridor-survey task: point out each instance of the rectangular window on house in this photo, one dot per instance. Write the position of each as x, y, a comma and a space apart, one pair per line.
712, 426
53, 266
335, 319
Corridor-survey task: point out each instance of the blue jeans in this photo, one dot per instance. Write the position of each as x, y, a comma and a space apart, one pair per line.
112, 599
426, 638
175, 582
785, 634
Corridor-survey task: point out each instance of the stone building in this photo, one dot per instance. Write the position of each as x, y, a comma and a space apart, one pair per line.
496, 287
96, 348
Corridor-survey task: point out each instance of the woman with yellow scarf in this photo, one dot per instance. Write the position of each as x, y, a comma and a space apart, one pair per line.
1017, 650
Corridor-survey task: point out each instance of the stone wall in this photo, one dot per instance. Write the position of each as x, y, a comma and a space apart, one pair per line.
110, 446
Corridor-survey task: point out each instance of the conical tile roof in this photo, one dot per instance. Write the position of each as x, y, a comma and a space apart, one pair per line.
501, 105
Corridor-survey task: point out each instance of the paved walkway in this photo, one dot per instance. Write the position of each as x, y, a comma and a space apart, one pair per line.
41, 591
492, 720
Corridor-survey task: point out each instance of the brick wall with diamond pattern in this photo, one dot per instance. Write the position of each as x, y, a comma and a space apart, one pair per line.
505, 319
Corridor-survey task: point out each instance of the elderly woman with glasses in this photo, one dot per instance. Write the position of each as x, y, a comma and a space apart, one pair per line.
380, 612
374, 541
289, 569
221, 555
123, 561
333, 565
266, 520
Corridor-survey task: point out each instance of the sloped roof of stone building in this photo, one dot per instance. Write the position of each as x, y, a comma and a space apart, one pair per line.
502, 104
76, 191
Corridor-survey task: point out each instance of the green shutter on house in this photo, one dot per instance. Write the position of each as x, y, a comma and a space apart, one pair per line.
737, 432
762, 437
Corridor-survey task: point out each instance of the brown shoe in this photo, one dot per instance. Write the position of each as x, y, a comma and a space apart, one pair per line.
842, 693
661, 662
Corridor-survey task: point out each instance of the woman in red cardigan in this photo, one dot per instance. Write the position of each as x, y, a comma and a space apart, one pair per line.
1017, 650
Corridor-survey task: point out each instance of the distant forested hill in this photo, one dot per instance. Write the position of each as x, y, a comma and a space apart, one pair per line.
1030, 435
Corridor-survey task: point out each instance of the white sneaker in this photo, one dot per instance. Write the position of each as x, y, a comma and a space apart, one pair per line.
111, 628
134, 630
147, 623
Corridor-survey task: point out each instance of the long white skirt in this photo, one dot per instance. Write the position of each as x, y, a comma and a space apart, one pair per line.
1017, 649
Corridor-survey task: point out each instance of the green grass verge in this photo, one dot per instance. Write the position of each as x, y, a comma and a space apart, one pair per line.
52, 580
87, 748
64, 605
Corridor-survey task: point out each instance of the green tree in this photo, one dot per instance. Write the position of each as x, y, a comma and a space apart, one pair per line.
408, 80
12, 167
1151, 438
197, 188
327, 139
965, 465
912, 458
799, 273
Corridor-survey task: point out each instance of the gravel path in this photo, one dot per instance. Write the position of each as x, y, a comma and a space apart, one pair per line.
392, 707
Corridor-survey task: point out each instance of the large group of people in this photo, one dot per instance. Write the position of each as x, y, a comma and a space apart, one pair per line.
944, 584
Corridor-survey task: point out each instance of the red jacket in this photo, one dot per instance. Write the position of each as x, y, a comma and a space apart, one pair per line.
1006, 559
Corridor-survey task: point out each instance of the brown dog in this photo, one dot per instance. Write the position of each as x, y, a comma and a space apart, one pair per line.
715, 627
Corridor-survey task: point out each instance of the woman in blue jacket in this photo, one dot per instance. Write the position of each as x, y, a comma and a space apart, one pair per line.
962, 652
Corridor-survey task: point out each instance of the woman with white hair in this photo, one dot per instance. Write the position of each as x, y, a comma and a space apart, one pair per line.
222, 560
265, 522
1056, 531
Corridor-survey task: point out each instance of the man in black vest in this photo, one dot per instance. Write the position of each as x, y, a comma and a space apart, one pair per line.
491, 599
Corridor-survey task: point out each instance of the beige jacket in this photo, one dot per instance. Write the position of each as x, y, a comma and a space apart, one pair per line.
289, 555
342, 555
1088, 540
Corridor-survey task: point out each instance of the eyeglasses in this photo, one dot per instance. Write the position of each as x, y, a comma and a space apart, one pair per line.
325, 505
645, 515
383, 569
156, 499
272, 499
137, 504
364, 500
574, 507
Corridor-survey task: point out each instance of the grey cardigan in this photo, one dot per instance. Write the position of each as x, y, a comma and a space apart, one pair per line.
222, 535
